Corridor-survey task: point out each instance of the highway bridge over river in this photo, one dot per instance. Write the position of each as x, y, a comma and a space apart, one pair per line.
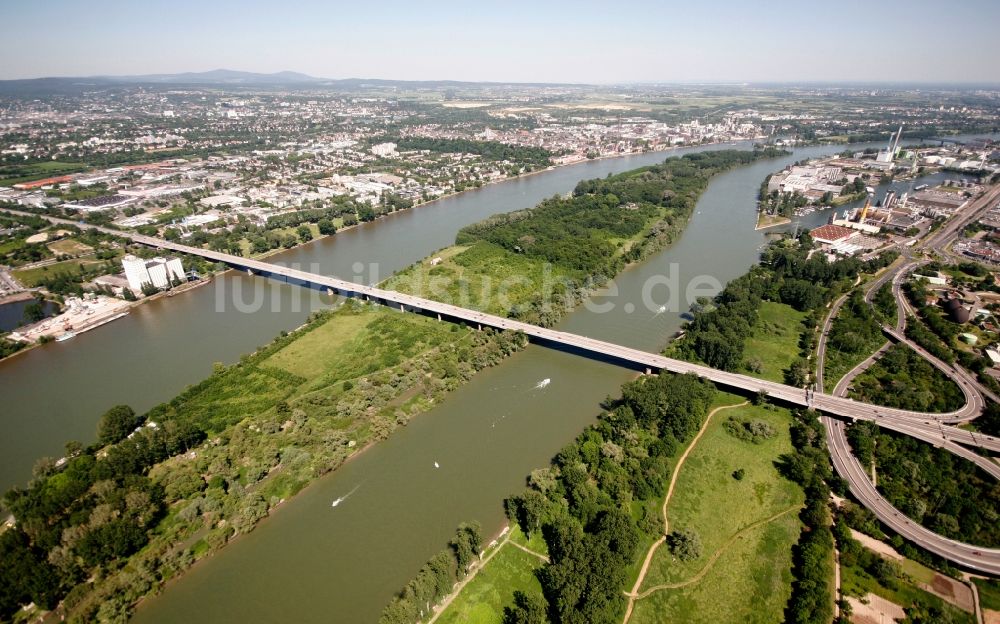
929, 427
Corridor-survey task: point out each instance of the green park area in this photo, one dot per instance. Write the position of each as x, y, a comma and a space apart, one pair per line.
773, 346
39, 275
536, 264
510, 570
745, 527
294, 409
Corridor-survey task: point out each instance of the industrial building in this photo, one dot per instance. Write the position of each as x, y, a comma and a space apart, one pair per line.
160, 272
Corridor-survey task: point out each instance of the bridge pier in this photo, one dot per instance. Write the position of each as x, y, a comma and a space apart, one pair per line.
649, 371
439, 317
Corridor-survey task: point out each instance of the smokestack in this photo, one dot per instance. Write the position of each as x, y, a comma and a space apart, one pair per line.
895, 146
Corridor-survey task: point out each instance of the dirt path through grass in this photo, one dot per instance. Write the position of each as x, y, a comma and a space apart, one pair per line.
666, 501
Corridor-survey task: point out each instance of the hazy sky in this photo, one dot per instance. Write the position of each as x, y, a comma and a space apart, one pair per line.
510, 40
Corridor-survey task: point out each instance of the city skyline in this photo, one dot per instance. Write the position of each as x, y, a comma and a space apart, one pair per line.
639, 42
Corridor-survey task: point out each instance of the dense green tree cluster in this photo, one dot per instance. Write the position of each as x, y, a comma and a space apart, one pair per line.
903, 378
755, 431
685, 544
490, 150
855, 330
935, 488
578, 233
89, 514
809, 465
787, 274
581, 503
338, 207
885, 304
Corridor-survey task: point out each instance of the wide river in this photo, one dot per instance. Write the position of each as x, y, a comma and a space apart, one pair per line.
310, 562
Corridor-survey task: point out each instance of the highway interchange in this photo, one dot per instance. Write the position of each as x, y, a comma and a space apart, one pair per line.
929, 430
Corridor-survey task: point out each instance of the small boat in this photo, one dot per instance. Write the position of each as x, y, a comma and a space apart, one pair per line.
543, 383
65, 337
919, 187
437, 465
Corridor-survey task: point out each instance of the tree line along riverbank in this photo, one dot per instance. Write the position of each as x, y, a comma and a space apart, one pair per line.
593, 508
115, 521
119, 518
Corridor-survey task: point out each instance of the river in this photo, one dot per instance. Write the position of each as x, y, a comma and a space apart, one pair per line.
311, 562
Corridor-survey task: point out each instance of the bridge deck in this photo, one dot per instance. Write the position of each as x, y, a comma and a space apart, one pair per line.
900, 420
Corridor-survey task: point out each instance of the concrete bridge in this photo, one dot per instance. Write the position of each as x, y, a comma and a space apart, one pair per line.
900, 420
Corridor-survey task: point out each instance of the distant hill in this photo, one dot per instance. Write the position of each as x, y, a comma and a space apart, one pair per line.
229, 78
217, 77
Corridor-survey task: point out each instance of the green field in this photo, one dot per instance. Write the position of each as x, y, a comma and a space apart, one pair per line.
775, 339
33, 277
482, 277
752, 575
26, 173
989, 593
742, 586
482, 601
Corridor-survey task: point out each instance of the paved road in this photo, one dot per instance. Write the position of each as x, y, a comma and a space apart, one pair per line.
849, 468
911, 423
838, 406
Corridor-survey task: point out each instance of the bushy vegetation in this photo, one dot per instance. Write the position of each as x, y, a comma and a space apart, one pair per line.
902, 378
809, 465
854, 335
490, 150
937, 489
749, 430
436, 578
120, 517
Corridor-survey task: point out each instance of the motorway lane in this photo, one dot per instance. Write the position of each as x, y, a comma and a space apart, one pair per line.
847, 466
